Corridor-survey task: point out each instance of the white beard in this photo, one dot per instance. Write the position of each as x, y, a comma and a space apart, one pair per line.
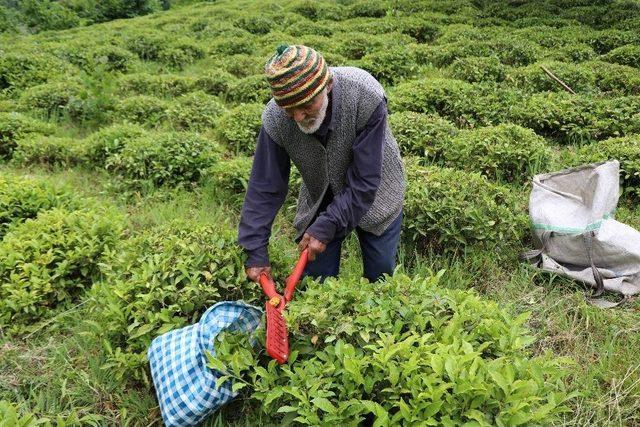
317, 122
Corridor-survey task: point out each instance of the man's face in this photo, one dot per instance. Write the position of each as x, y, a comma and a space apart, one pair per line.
309, 116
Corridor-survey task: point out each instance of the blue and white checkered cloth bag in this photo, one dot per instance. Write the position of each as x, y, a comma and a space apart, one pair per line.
185, 386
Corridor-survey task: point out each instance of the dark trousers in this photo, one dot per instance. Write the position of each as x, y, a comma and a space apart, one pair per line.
378, 254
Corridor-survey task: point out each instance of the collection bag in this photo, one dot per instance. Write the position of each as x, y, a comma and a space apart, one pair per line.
575, 233
185, 386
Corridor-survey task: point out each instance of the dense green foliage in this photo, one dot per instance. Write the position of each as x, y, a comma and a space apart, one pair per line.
162, 279
423, 135
401, 353
451, 210
50, 259
507, 153
23, 198
626, 150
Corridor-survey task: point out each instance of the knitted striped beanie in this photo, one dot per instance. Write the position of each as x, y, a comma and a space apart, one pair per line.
296, 74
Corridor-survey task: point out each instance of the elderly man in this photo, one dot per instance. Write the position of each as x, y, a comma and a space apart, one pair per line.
332, 123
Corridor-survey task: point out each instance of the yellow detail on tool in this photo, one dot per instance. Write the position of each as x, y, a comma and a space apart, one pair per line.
275, 301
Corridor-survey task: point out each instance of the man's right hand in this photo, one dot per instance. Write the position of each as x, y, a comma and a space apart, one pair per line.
253, 273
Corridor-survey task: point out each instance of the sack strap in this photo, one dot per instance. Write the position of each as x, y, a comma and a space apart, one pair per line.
587, 238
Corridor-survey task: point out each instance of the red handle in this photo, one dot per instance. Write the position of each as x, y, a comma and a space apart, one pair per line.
267, 284
295, 275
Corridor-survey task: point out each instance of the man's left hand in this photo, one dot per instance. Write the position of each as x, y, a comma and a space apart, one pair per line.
315, 246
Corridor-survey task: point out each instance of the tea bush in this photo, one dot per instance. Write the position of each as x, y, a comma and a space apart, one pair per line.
110, 140
179, 53
463, 103
157, 85
422, 135
357, 45
14, 126
619, 79
55, 98
165, 278
50, 260
569, 118
147, 44
626, 150
233, 45
368, 9
573, 52
214, 82
145, 110
23, 198
515, 51
403, 353
241, 65
390, 65
443, 55
255, 24
239, 127
249, 90
114, 58
230, 178
448, 209
316, 10
49, 151
624, 55
419, 28
306, 27
478, 69
195, 111
167, 158
533, 78
19, 71
507, 152
610, 39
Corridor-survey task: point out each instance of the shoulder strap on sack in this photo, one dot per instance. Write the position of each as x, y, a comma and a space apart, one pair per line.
587, 238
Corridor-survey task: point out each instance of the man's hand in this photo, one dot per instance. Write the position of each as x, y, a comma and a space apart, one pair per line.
253, 273
315, 246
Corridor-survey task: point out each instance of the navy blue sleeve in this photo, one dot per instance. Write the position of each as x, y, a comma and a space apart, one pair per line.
362, 181
266, 191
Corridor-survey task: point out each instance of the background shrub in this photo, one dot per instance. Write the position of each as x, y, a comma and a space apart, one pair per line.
239, 127
14, 126
145, 110
448, 210
163, 279
157, 85
50, 151
109, 141
249, 90
390, 65
55, 98
195, 111
422, 135
23, 198
626, 150
168, 158
478, 69
49, 260
507, 152
533, 78
230, 178
625, 55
